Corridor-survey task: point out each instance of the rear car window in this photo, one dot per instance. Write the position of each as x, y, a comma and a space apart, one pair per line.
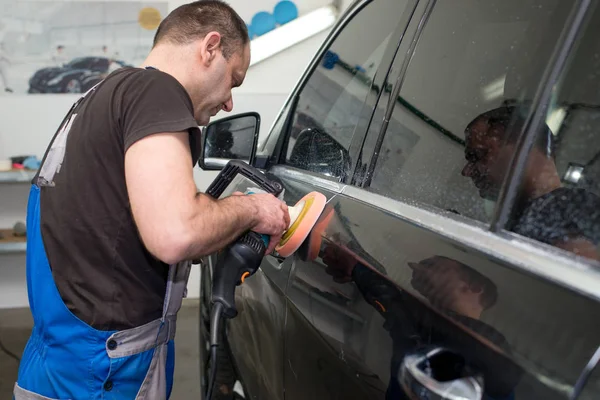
472, 58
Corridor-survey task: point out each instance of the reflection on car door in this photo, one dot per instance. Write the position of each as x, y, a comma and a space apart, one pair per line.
383, 288
395, 276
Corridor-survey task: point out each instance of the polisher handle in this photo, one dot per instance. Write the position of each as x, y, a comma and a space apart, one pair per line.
240, 260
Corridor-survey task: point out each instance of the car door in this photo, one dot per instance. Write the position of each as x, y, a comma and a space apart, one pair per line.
403, 289
327, 126
323, 127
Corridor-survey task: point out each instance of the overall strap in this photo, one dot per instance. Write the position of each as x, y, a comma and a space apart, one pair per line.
157, 332
176, 288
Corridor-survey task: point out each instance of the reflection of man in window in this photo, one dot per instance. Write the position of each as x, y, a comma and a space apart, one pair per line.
546, 211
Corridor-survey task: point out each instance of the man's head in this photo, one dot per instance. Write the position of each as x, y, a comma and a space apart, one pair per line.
209, 43
490, 144
452, 285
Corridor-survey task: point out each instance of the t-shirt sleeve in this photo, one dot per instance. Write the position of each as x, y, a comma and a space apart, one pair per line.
153, 102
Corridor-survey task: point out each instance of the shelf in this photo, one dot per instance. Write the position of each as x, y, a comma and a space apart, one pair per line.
17, 176
11, 244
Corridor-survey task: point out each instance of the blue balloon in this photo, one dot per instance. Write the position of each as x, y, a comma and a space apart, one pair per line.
285, 11
262, 23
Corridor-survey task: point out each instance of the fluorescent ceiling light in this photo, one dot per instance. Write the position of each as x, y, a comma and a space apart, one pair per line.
292, 33
574, 173
555, 119
494, 89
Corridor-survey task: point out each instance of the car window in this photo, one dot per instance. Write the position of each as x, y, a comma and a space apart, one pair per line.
558, 200
99, 64
329, 105
471, 58
82, 63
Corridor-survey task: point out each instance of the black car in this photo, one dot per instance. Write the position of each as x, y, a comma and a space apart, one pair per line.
77, 76
457, 256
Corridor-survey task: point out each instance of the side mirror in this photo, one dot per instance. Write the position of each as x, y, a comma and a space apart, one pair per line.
317, 151
231, 138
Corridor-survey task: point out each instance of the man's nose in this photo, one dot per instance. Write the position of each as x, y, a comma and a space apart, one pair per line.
467, 170
228, 105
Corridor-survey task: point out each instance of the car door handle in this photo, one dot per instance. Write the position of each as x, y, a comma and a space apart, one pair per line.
439, 374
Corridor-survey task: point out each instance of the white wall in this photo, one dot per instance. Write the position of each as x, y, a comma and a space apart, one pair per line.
246, 9
27, 123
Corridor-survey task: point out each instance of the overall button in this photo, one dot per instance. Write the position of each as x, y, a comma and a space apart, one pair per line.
108, 386
112, 344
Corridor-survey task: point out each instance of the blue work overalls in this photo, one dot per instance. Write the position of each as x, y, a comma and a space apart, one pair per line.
65, 358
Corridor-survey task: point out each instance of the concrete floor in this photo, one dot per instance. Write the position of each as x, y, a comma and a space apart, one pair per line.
15, 327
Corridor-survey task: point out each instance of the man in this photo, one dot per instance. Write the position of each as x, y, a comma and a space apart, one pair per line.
59, 58
4, 62
568, 218
114, 214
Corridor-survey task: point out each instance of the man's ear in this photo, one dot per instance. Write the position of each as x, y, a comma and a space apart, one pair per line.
210, 47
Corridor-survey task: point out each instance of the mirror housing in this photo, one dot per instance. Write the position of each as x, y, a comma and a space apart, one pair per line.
230, 138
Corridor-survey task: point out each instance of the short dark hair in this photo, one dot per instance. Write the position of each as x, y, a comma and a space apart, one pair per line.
509, 118
477, 281
195, 20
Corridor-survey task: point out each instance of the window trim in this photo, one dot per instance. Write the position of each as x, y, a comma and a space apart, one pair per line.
397, 86
281, 138
394, 89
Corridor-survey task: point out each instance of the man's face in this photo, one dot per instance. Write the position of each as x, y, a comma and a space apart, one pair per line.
222, 75
487, 158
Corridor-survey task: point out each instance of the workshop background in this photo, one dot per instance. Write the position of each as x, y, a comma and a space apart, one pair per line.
50, 50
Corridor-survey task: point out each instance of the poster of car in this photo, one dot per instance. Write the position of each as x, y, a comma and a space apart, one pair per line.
68, 46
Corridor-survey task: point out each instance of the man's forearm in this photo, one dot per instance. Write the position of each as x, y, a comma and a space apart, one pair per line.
216, 223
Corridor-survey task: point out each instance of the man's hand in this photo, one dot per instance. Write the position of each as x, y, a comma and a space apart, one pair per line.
272, 217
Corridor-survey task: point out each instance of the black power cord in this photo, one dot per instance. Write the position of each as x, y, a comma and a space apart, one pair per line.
238, 261
215, 340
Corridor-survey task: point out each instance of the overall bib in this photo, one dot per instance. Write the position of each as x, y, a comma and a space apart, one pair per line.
65, 358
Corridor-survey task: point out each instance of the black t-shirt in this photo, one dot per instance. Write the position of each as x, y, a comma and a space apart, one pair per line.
101, 268
561, 215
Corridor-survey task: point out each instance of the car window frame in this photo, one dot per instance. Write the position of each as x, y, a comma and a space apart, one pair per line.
280, 131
